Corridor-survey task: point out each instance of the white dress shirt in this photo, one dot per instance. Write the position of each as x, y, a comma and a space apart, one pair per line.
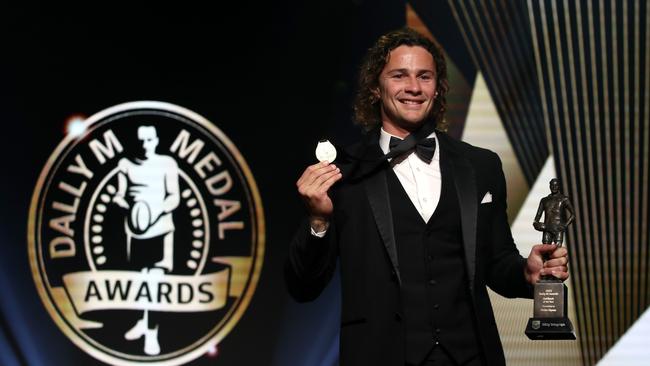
422, 181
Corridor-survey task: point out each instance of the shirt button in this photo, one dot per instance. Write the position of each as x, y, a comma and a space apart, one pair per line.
437, 330
432, 282
424, 200
436, 306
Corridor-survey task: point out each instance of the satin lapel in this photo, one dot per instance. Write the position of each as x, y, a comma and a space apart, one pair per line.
376, 187
377, 190
465, 181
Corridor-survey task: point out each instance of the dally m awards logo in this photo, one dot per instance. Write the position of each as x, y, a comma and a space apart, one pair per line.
146, 235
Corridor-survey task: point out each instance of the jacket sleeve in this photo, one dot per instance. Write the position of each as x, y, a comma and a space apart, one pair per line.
311, 262
505, 272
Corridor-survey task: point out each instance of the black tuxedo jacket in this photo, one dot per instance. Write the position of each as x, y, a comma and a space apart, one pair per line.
361, 237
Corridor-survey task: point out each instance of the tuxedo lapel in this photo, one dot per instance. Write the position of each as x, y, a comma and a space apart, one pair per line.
377, 191
373, 173
465, 181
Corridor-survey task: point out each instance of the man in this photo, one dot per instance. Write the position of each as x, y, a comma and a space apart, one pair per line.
148, 189
419, 234
152, 185
554, 207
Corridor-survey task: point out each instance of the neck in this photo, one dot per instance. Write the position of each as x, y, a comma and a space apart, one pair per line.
397, 130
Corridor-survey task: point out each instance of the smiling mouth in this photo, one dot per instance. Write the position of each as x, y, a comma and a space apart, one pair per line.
411, 102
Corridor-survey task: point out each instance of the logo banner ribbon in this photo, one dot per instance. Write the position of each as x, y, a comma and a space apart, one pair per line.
147, 290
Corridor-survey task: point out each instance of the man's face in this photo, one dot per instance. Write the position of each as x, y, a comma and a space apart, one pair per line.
407, 87
149, 140
555, 186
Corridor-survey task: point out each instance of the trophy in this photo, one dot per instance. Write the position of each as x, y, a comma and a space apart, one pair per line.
550, 317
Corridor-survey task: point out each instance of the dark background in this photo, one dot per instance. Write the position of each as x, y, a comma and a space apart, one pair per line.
273, 76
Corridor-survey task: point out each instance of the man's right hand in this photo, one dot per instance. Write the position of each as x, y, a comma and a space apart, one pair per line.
313, 186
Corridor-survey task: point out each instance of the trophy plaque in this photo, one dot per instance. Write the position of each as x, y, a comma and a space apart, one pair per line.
550, 316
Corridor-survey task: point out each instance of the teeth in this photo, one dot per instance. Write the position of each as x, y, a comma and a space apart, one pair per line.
411, 102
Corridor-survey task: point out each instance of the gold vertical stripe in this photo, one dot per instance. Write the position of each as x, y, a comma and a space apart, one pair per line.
646, 163
636, 273
602, 243
620, 256
628, 273
608, 171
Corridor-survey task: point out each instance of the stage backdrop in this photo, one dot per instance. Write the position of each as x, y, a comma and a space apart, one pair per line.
173, 135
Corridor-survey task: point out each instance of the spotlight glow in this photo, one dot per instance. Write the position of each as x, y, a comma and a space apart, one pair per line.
213, 351
75, 125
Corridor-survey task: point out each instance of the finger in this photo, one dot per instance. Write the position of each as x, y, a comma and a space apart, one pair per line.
544, 248
315, 189
315, 173
330, 181
550, 270
557, 273
321, 175
560, 252
324, 177
562, 261
310, 170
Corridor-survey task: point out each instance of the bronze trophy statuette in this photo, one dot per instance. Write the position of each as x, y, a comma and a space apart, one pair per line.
550, 317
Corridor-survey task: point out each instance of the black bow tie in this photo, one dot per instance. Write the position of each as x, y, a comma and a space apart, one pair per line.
424, 149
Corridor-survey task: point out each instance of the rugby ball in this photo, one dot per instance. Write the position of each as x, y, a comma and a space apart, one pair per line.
140, 217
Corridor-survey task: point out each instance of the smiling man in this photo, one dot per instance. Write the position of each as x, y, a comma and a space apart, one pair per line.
419, 224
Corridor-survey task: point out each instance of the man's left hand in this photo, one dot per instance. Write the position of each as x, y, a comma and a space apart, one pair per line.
556, 266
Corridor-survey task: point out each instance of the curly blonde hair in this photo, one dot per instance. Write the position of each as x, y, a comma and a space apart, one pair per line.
367, 109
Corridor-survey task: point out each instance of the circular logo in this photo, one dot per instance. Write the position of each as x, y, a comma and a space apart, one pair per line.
146, 235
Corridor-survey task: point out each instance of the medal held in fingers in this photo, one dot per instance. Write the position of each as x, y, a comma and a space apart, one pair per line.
325, 151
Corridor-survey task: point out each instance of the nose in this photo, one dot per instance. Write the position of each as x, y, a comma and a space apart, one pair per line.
413, 85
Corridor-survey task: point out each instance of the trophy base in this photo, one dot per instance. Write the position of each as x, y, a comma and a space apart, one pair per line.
550, 329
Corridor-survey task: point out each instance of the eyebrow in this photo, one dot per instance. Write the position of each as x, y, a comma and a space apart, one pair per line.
421, 71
